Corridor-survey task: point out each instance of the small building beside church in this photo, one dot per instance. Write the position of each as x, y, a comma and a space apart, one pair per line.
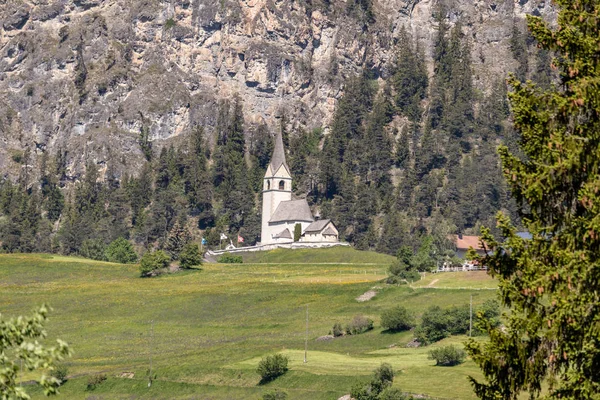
281, 212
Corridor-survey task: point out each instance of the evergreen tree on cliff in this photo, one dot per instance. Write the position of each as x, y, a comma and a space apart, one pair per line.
551, 283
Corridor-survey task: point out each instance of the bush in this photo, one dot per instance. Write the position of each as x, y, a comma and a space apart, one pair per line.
437, 324
399, 271
93, 249
447, 356
358, 325
121, 251
60, 372
392, 394
152, 261
228, 258
337, 330
95, 380
382, 380
275, 395
272, 367
397, 319
489, 312
190, 256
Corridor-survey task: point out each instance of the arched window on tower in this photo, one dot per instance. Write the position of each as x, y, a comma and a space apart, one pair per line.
281, 185
268, 185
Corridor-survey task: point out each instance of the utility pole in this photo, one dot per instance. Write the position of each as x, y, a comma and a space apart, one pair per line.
306, 336
471, 316
151, 337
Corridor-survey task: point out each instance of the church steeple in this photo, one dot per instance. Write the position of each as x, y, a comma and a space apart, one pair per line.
278, 158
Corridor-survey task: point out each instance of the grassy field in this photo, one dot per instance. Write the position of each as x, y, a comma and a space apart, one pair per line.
318, 256
457, 280
212, 326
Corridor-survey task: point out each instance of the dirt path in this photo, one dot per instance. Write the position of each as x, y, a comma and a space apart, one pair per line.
433, 282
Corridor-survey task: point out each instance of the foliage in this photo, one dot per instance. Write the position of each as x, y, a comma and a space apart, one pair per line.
170, 23
60, 372
359, 324
228, 258
145, 143
397, 319
272, 367
190, 256
19, 338
94, 381
94, 249
275, 395
153, 261
337, 330
121, 251
177, 239
382, 380
437, 323
297, 232
550, 282
447, 356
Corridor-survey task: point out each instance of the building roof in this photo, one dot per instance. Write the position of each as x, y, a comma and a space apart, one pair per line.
317, 226
278, 155
464, 242
284, 234
329, 231
292, 210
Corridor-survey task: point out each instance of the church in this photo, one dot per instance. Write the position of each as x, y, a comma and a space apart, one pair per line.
281, 213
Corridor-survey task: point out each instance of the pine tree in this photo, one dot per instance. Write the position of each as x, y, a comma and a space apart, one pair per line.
177, 239
197, 185
410, 77
550, 283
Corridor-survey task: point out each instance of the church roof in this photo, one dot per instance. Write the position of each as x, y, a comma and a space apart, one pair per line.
292, 210
284, 234
329, 231
278, 155
317, 226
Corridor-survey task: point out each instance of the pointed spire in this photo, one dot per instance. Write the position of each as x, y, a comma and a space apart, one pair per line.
278, 154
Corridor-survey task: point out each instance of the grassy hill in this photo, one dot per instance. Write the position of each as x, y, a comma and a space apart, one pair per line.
339, 254
212, 326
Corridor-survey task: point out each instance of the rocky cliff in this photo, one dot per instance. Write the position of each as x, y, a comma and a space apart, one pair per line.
87, 75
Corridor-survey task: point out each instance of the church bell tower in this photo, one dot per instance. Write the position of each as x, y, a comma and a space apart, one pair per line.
277, 187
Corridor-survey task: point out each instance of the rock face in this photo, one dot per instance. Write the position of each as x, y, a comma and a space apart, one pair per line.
86, 75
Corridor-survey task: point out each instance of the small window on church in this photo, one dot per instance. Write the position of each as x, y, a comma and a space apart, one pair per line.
268, 185
281, 185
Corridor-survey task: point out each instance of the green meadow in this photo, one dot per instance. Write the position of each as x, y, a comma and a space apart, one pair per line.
204, 331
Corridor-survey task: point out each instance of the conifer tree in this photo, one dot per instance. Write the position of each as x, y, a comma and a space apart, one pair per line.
550, 282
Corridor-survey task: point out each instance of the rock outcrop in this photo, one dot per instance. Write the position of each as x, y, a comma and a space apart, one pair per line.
86, 75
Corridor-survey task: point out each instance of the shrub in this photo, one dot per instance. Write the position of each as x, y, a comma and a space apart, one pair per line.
275, 395
60, 372
297, 232
95, 380
381, 381
447, 356
121, 251
358, 325
228, 258
337, 329
152, 261
272, 367
392, 394
437, 324
490, 312
397, 319
190, 256
94, 249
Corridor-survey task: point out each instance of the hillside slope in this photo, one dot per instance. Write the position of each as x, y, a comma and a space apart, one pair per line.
87, 76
